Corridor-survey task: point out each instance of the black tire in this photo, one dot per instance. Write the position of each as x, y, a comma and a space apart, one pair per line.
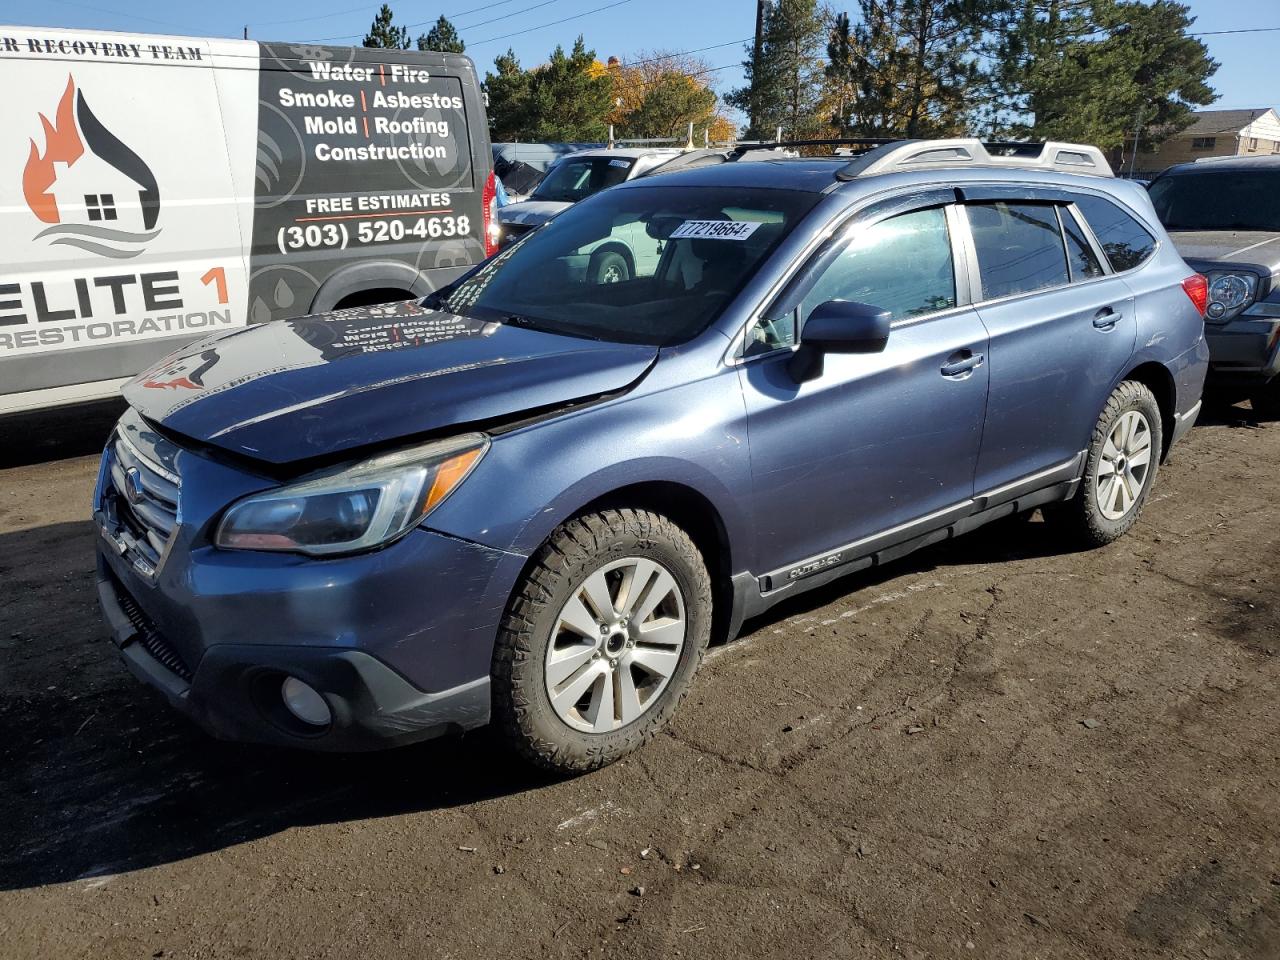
1266, 401
1082, 518
522, 707
609, 266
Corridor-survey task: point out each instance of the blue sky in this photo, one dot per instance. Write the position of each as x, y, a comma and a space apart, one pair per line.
1247, 77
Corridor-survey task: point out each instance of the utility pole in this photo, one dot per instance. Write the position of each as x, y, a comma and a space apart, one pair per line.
757, 52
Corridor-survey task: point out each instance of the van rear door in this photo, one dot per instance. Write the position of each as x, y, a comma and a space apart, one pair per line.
372, 178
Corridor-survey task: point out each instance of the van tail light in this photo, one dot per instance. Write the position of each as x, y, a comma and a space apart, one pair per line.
1197, 288
489, 199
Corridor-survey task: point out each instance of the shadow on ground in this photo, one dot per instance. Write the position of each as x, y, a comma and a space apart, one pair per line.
99, 776
57, 434
102, 777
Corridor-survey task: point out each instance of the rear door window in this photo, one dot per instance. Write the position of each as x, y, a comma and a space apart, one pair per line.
1084, 263
1019, 248
1126, 242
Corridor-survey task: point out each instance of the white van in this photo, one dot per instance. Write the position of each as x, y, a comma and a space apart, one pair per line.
159, 189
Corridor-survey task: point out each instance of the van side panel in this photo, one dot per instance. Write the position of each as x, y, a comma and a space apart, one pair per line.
119, 235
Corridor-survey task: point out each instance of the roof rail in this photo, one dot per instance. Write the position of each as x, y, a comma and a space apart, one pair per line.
863, 142
905, 155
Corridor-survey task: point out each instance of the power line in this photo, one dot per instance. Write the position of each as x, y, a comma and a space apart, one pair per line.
364, 9
1219, 33
553, 23
513, 13
681, 53
118, 13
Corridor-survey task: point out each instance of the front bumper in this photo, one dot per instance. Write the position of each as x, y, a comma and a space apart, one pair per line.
233, 692
1244, 351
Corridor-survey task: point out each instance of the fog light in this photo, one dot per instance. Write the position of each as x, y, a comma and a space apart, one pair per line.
1216, 310
304, 702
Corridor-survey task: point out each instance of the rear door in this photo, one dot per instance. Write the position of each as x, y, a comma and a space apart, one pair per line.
1062, 329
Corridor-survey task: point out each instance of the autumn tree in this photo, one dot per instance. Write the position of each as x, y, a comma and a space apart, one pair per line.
659, 94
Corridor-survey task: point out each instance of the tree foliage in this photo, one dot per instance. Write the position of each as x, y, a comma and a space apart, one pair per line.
661, 93
1097, 70
565, 99
384, 33
783, 83
442, 37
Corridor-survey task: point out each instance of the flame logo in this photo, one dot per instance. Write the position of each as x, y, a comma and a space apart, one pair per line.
97, 210
62, 143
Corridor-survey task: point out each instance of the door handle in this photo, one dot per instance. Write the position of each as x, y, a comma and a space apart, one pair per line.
959, 365
1106, 319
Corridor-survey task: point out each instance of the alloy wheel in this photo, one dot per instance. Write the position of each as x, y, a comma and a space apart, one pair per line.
1124, 465
615, 645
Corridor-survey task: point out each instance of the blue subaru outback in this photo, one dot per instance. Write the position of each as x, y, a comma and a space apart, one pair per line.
532, 498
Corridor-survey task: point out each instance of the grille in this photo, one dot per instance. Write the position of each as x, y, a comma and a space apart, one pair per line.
152, 640
146, 503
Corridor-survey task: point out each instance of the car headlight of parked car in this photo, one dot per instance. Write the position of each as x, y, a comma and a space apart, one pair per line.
354, 507
1230, 292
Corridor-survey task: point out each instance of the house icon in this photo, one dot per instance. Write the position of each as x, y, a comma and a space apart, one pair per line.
90, 190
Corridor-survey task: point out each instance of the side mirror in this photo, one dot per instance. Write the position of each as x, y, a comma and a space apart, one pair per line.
839, 326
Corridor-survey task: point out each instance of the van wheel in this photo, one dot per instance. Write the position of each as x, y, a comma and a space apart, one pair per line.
609, 266
601, 639
1121, 466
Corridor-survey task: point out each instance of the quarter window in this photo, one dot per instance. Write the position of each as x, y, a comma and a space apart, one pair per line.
1083, 262
1019, 248
1126, 242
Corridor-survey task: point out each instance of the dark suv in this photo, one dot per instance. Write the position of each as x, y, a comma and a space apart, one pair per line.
1223, 215
533, 497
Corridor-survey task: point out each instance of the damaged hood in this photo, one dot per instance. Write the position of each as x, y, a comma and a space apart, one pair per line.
293, 390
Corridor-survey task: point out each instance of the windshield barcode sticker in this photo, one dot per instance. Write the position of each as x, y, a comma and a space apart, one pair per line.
620, 163
715, 229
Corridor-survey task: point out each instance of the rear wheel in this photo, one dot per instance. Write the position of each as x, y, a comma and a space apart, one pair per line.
609, 266
601, 639
1121, 465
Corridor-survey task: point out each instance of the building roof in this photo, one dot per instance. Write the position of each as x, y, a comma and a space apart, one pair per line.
1210, 123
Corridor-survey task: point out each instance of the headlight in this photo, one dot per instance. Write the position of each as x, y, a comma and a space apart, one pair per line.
1229, 293
355, 507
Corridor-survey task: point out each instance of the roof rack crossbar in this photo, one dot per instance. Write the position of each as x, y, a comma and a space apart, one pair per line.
905, 155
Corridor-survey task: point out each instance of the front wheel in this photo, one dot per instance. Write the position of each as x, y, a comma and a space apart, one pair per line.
601, 639
1121, 465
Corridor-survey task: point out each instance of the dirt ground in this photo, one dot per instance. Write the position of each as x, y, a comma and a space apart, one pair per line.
994, 748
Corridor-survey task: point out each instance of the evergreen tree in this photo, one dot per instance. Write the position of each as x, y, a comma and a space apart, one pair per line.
565, 99
783, 81
442, 37
384, 33
569, 97
508, 90
1097, 70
